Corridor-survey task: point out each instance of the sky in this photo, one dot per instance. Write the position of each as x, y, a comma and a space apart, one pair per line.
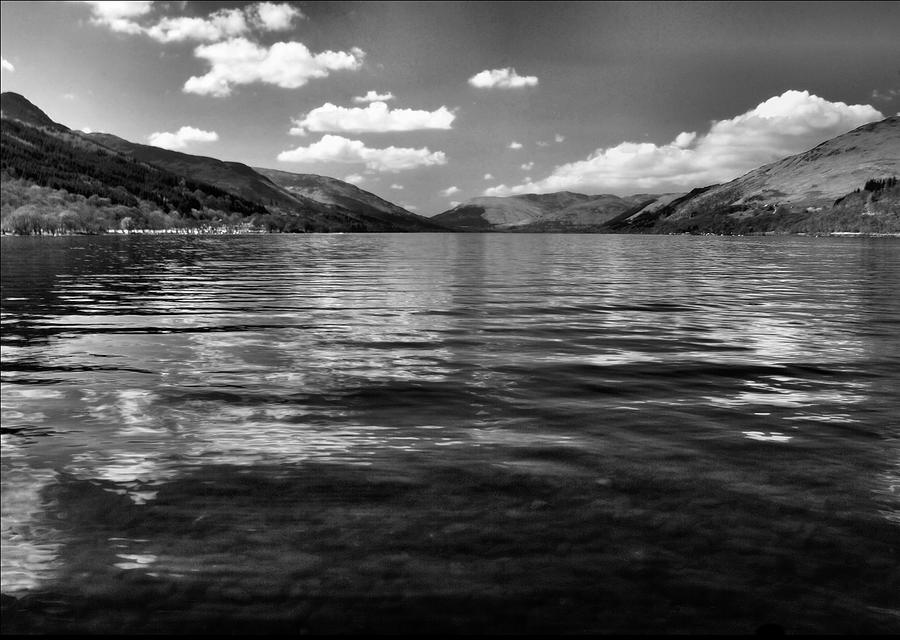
429, 104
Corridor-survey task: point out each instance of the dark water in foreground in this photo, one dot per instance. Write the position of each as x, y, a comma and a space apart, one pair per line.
450, 433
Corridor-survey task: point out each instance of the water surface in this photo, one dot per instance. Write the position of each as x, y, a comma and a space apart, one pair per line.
450, 432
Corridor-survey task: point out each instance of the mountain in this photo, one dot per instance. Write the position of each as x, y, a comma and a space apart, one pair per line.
835, 186
331, 191
561, 211
158, 187
844, 184
16, 107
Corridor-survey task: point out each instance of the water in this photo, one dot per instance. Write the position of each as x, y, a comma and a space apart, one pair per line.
450, 433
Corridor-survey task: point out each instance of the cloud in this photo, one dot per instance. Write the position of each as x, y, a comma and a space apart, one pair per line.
374, 117
87, 130
449, 191
409, 207
888, 95
354, 178
454, 203
398, 187
181, 138
6, 64
275, 17
515, 145
559, 138
119, 16
528, 166
372, 96
219, 25
285, 64
781, 126
502, 79
222, 24
488, 176
339, 149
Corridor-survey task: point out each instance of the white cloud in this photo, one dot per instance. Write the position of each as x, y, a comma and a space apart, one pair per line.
502, 79
454, 203
488, 176
541, 143
528, 166
181, 138
6, 64
222, 24
409, 207
354, 178
119, 16
219, 25
87, 130
285, 64
339, 149
275, 17
374, 117
373, 96
559, 138
449, 191
397, 187
515, 145
781, 126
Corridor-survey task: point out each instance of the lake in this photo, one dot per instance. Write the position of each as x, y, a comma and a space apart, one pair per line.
459, 433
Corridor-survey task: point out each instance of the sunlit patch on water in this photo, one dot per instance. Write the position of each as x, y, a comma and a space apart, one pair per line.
770, 436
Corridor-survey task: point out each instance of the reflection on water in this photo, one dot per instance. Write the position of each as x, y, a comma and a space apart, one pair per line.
382, 432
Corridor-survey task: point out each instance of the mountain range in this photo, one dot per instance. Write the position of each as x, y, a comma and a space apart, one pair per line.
823, 189
55, 179
163, 187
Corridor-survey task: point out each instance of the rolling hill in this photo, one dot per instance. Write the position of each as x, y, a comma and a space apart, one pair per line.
841, 185
560, 211
163, 187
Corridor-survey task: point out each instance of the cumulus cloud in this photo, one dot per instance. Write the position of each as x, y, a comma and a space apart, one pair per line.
373, 96
285, 64
274, 17
333, 148
354, 178
528, 166
449, 191
222, 24
398, 187
181, 138
120, 16
502, 79
454, 203
488, 176
6, 64
782, 125
559, 138
123, 17
515, 145
374, 117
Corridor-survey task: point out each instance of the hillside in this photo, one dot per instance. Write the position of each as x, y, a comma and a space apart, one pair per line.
820, 190
334, 192
92, 182
561, 211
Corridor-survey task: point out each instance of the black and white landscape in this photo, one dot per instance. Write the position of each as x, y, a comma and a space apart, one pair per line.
407, 317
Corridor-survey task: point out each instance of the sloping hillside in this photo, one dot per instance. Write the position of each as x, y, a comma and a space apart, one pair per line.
92, 173
334, 192
812, 191
561, 211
